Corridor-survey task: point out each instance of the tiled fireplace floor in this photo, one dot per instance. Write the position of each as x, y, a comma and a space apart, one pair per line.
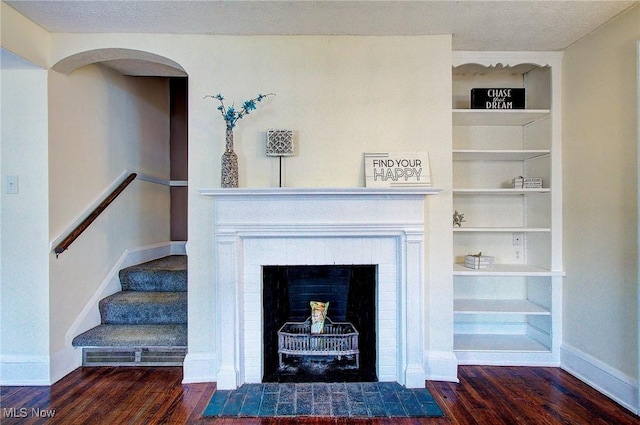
369, 399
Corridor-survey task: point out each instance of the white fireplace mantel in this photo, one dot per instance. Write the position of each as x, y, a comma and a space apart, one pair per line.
337, 191
256, 227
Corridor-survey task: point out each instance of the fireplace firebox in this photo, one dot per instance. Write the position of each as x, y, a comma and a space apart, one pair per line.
351, 293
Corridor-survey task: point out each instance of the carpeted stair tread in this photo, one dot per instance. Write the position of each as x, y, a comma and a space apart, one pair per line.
133, 336
150, 312
164, 274
138, 308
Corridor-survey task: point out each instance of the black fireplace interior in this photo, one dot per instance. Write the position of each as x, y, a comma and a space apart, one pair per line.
351, 293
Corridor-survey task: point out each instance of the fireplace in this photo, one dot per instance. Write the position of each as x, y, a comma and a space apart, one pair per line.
350, 291
292, 229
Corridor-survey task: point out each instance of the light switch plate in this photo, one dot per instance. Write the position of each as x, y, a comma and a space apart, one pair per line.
11, 185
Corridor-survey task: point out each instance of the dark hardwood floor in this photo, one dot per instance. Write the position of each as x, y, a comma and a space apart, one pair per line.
485, 395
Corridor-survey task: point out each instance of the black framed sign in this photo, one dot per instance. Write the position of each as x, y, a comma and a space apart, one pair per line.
498, 98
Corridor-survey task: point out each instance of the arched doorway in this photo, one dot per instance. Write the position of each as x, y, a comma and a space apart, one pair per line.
137, 63
113, 112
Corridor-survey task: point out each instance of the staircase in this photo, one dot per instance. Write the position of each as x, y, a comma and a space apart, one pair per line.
146, 322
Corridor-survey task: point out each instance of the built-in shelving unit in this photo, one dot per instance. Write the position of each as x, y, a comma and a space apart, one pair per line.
509, 314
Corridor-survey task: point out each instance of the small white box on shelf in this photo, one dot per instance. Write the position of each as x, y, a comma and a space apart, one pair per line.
479, 261
527, 182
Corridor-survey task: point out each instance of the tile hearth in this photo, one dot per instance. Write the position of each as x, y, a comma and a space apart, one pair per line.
369, 399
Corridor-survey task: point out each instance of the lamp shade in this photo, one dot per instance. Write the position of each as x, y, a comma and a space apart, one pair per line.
279, 142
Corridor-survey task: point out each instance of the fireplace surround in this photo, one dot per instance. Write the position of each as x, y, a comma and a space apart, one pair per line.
256, 228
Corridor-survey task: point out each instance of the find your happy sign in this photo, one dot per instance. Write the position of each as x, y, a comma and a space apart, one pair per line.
397, 169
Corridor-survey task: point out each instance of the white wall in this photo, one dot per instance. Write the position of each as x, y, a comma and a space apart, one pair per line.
600, 210
343, 96
24, 291
101, 125
24, 261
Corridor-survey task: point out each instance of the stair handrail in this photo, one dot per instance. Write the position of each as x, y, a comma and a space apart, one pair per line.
77, 231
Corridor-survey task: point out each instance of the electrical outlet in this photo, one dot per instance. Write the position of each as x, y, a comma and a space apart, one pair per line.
518, 243
518, 239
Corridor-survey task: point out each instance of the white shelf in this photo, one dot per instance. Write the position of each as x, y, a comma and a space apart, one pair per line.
501, 229
505, 270
499, 154
497, 343
500, 191
493, 117
490, 306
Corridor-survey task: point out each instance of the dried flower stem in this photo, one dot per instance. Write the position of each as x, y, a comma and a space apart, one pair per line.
231, 115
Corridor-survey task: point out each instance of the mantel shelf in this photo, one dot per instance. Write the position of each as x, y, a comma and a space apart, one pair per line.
321, 191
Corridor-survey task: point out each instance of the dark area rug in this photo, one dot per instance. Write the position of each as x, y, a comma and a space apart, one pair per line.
351, 399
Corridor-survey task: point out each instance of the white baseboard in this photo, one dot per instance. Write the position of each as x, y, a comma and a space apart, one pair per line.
199, 367
178, 248
65, 361
609, 381
441, 366
24, 370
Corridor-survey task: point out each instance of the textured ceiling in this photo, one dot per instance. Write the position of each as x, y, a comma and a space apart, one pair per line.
475, 25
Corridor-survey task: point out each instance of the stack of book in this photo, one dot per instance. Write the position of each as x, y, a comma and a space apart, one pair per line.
479, 261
